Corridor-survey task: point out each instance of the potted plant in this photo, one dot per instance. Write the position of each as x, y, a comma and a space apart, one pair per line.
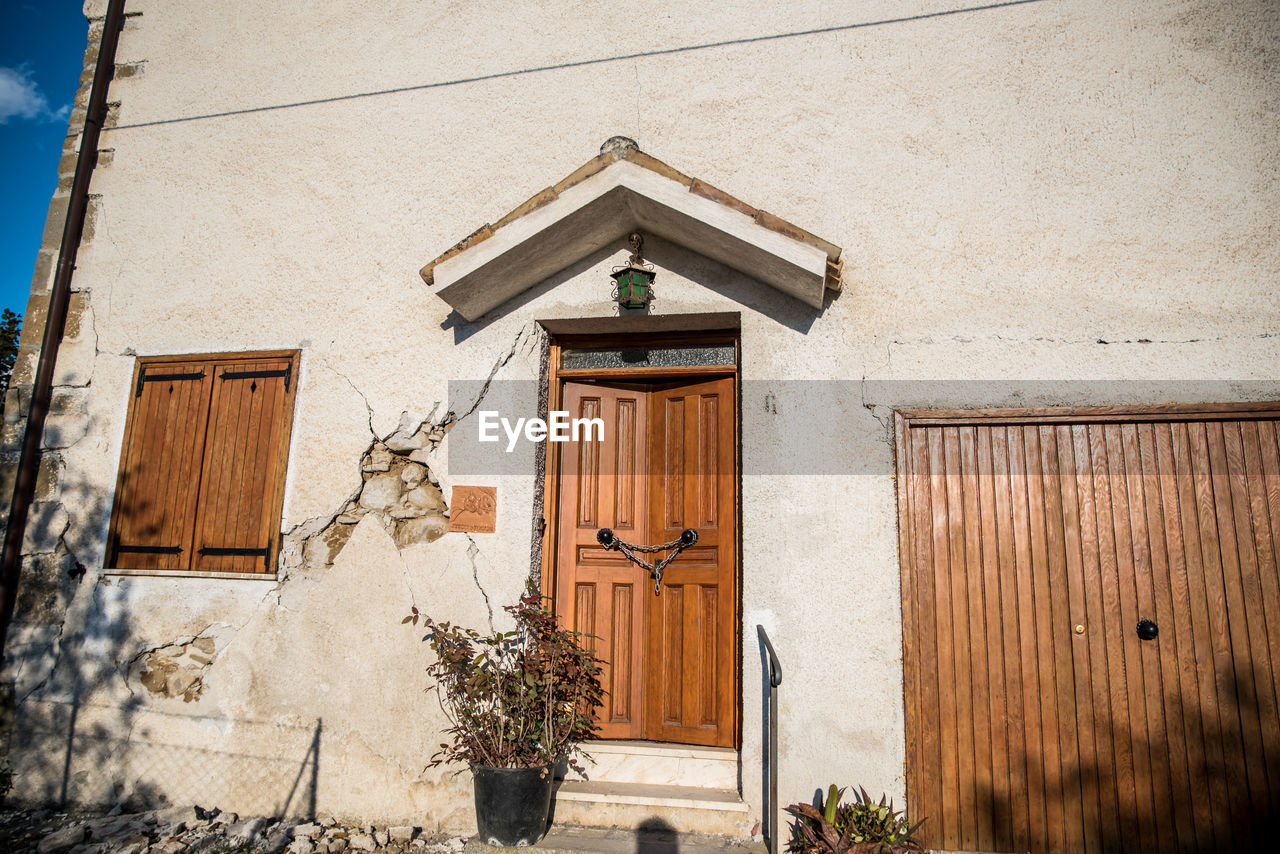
860, 827
517, 702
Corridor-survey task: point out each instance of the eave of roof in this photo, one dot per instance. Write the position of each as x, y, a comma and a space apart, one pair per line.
620, 191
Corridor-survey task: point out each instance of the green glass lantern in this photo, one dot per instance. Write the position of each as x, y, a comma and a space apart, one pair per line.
634, 285
634, 282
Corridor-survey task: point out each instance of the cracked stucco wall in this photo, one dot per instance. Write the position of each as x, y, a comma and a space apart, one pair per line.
51, 570
1046, 203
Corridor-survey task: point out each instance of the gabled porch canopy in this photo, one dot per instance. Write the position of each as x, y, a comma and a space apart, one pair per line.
621, 191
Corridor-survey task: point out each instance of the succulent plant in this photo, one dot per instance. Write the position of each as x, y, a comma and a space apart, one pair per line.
859, 827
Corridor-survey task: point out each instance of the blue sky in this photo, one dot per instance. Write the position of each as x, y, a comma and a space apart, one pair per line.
41, 50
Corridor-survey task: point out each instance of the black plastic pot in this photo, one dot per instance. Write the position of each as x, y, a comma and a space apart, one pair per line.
512, 804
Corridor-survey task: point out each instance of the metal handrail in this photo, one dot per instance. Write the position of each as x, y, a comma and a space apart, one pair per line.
769, 771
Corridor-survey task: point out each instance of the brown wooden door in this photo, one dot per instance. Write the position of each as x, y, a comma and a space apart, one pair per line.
667, 463
689, 648
600, 592
1037, 718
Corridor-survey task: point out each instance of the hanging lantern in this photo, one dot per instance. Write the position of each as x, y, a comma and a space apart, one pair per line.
634, 282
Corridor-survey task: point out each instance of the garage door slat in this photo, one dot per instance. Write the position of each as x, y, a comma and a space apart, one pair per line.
1082, 690
1203, 745
1227, 723
1110, 643
1023, 717
1098, 679
966, 776
1256, 438
974, 613
1242, 697
1164, 750
928, 757
996, 747
1122, 616
948, 814
1045, 500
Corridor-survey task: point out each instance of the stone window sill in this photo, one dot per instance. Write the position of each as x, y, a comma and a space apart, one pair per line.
183, 573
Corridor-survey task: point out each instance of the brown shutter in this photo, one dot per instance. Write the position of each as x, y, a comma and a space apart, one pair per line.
243, 472
160, 472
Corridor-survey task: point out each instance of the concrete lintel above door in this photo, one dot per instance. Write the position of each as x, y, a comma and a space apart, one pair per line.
621, 191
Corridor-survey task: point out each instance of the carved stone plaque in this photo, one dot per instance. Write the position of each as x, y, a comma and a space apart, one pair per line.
474, 510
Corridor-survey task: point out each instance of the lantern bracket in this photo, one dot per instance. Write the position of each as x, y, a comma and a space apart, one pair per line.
636, 242
633, 282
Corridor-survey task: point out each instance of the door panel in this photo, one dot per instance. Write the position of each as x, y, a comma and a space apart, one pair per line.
667, 463
691, 639
601, 592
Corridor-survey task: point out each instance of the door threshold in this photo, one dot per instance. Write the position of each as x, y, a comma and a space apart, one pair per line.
657, 748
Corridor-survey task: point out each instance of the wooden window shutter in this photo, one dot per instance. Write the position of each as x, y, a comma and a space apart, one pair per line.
244, 458
202, 472
160, 472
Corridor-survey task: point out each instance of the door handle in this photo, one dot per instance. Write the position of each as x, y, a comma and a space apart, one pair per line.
1147, 630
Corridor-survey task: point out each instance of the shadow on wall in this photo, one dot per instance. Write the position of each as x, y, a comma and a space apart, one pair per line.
83, 745
87, 689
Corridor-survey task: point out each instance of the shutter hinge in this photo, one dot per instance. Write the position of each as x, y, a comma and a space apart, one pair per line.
287, 373
229, 551
149, 550
144, 377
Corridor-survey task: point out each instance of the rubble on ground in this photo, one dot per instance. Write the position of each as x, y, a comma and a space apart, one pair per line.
195, 830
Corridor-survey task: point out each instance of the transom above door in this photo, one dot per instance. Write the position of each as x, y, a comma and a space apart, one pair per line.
667, 462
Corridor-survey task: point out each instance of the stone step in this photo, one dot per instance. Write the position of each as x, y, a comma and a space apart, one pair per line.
661, 764
641, 806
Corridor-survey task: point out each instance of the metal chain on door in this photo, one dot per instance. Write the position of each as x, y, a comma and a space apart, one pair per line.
687, 537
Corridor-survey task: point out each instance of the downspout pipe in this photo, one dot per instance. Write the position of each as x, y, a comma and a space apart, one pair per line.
42, 390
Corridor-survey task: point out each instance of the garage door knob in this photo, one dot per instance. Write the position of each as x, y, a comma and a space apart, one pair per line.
1147, 630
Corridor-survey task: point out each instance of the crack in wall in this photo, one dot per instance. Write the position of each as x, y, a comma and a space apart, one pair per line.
397, 483
358, 736
56, 645
472, 551
63, 553
1049, 339
367, 407
886, 421
397, 486
527, 334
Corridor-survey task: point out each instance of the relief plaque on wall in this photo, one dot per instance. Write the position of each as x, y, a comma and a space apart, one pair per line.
474, 510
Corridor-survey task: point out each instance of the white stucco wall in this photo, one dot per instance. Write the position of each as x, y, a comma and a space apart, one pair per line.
1082, 193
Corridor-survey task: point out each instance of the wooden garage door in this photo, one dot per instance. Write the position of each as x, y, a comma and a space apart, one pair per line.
1037, 718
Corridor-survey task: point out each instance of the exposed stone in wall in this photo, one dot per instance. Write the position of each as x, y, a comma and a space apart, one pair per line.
176, 670
398, 488
48, 581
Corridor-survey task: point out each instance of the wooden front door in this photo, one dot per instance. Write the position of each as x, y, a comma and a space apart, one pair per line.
1039, 717
666, 463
